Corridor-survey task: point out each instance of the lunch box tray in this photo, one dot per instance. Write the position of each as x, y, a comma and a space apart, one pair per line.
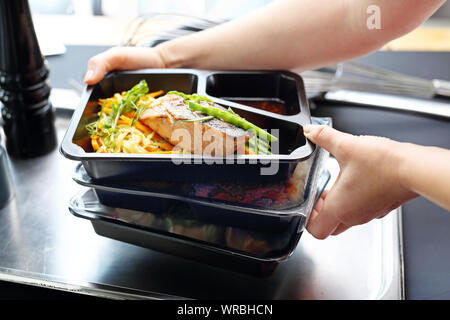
222, 87
187, 235
137, 196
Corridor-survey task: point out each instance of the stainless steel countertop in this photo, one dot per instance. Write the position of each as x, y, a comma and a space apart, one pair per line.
42, 244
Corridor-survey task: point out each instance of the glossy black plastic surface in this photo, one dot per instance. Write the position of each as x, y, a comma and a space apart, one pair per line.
293, 147
271, 208
24, 90
183, 232
244, 88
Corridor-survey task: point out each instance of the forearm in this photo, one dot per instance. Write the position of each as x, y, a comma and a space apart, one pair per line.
426, 171
301, 34
278, 35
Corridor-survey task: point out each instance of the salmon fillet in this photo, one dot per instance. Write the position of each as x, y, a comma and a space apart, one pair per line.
167, 116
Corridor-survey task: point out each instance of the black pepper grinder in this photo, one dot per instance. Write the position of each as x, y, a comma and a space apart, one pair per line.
24, 90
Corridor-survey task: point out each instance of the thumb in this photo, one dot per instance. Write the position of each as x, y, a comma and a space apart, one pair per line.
328, 138
122, 58
102, 63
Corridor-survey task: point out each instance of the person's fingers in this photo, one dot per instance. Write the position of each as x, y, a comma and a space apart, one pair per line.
381, 216
121, 58
320, 226
340, 228
101, 63
322, 221
328, 138
319, 204
324, 193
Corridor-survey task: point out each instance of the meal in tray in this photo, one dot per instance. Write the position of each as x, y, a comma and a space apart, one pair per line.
139, 121
180, 220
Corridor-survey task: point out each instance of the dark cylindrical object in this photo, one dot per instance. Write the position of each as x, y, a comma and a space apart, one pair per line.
24, 90
6, 190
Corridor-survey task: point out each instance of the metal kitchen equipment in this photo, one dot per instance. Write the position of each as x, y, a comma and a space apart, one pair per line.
351, 75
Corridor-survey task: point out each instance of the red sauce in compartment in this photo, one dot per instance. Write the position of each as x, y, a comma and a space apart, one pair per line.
267, 105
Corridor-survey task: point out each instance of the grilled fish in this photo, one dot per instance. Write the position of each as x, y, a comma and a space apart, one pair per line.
171, 118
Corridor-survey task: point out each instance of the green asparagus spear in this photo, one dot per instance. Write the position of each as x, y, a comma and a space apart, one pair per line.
259, 146
231, 118
231, 111
193, 97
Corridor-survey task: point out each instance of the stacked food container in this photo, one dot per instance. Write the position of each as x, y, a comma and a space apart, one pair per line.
244, 213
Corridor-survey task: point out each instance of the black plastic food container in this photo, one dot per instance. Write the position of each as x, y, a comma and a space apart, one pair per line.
184, 233
264, 216
106, 223
223, 87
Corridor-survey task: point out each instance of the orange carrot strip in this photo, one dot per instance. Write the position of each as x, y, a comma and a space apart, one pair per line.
94, 143
126, 119
129, 114
142, 127
166, 146
166, 152
156, 93
120, 122
107, 110
108, 103
151, 149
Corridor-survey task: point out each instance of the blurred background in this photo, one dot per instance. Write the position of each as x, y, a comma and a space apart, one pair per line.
115, 22
133, 8
142, 22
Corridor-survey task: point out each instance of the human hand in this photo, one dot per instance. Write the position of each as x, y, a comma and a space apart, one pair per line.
122, 58
368, 185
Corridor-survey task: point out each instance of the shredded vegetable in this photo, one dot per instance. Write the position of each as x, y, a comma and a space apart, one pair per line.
118, 128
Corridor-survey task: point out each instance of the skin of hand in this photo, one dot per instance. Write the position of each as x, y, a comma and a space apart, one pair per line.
287, 34
376, 176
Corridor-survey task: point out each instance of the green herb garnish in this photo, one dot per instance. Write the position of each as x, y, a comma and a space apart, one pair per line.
128, 103
191, 97
200, 119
